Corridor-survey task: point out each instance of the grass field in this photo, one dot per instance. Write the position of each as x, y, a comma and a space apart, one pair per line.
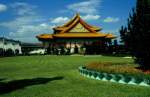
58, 76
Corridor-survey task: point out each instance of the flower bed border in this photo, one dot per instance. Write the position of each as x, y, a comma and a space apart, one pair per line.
118, 78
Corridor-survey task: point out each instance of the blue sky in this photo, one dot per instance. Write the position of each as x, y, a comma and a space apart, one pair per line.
24, 19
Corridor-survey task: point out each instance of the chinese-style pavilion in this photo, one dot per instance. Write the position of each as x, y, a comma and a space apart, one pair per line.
76, 36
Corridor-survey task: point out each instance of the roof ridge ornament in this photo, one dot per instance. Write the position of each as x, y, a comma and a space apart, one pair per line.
78, 14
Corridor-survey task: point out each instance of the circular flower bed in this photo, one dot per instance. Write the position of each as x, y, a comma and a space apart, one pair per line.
120, 78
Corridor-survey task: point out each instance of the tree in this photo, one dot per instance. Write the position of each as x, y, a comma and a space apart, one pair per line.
136, 36
115, 47
1, 52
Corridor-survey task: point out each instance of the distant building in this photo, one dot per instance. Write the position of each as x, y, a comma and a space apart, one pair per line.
76, 36
28, 47
9, 47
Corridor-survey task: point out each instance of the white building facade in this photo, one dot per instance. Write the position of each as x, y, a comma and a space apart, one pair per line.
9, 46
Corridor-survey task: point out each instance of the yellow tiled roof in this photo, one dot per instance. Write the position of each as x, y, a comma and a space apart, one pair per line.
65, 31
76, 35
73, 22
111, 36
45, 36
79, 35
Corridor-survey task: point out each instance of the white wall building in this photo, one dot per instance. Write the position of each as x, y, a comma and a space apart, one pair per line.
9, 44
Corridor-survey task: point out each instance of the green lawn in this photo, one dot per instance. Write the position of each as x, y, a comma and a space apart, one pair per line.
58, 76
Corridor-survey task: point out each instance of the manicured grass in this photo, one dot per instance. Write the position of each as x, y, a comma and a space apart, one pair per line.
58, 76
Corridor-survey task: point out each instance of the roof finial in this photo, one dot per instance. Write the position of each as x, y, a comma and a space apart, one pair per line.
77, 14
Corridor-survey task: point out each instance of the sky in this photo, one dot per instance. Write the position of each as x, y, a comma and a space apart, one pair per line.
24, 19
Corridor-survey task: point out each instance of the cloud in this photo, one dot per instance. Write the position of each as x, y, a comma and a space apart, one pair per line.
3, 7
28, 32
111, 20
86, 7
27, 25
26, 28
91, 17
59, 20
19, 21
22, 8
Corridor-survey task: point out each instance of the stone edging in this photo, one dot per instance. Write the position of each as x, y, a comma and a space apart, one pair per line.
119, 78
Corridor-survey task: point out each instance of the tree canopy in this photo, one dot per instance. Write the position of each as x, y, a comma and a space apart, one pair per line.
136, 35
